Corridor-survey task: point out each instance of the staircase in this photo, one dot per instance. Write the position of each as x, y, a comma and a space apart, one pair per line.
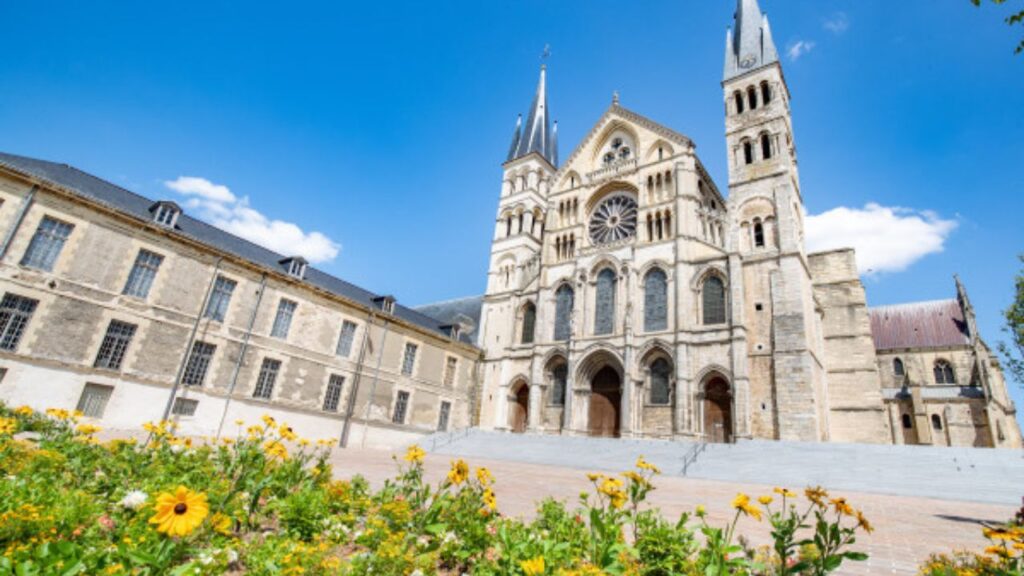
966, 474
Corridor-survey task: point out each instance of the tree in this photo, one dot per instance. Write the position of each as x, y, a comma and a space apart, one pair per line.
1012, 20
1014, 352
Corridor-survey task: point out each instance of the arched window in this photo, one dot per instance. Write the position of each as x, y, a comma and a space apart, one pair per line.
655, 300
563, 310
529, 322
758, 234
650, 227
604, 306
766, 93
739, 102
944, 373
907, 422
520, 222
508, 226
897, 367
748, 152
714, 300
558, 248
559, 376
766, 147
752, 98
936, 422
661, 373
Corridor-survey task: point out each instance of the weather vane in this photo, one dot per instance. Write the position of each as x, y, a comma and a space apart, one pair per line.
547, 52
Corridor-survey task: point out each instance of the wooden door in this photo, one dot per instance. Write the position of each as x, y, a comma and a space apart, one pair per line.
605, 400
718, 412
520, 410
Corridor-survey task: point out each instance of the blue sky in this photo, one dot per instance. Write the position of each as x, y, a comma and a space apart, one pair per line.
376, 129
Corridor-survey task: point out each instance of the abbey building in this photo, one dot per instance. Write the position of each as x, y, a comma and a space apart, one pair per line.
631, 295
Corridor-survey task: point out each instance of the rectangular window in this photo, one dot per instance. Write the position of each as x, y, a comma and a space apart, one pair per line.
184, 407
283, 320
348, 336
409, 359
93, 401
217, 307
115, 344
333, 394
442, 417
450, 368
401, 404
198, 363
140, 280
15, 312
267, 378
46, 244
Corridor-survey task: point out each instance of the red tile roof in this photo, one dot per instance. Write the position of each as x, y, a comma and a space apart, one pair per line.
938, 324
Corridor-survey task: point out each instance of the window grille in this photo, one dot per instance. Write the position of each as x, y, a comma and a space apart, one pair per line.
198, 363
451, 364
115, 344
217, 307
267, 378
714, 301
348, 335
401, 404
443, 415
184, 407
283, 319
409, 359
140, 280
15, 312
333, 394
93, 401
655, 301
46, 244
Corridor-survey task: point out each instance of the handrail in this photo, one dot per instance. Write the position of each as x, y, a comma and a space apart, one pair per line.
448, 437
692, 454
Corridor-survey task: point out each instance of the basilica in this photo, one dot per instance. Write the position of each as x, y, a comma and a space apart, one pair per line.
630, 295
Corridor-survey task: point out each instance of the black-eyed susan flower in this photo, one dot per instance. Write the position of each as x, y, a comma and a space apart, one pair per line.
459, 472
483, 475
415, 454
533, 566
742, 503
274, 449
180, 513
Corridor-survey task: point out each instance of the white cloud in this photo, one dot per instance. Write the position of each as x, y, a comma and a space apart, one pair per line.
887, 239
216, 204
837, 24
799, 48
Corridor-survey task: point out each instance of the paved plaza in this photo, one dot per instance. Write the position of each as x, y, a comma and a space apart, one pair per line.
907, 528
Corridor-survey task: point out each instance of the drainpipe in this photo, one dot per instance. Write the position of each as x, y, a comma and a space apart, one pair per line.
241, 353
191, 340
373, 386
350, 405
18, 220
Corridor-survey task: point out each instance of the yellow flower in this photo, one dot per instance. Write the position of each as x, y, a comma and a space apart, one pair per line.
645, 465
254, 430
7, 426
415, 454
742, 503
785, 492
594, 477
483, 475
239, 422
24, 411
701, 511
459, 472
490, 500
863, 523
996, 551
180, 513
636, 478
612, 488
765, 500
268, 420
221, 523
87, 429
286, 432
534, 567
816, 495
275, 449
842, 507
58, 413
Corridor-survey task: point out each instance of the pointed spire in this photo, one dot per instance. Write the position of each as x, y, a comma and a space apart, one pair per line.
516, 136
536, 135
750, 46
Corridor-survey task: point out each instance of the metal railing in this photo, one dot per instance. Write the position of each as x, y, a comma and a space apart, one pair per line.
445, 438
690, 458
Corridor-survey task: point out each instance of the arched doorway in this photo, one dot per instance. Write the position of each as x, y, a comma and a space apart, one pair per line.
605, 400
519, 408
717, 411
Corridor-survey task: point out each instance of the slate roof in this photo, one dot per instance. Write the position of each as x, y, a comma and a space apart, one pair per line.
460, 311
936, 324
537, 135
752, 39
96, 189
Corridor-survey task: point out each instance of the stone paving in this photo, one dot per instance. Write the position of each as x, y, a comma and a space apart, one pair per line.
907, 528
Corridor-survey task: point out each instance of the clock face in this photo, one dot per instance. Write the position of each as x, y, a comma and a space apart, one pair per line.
613, 220
748, 61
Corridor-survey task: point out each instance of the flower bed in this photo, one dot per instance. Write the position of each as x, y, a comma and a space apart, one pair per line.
264, 502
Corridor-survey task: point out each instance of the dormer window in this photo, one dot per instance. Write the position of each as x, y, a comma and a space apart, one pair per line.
452, 330
165, 213
295, 266
385, 303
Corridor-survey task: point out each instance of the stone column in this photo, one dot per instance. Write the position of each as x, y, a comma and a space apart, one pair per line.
501, 414
536, 402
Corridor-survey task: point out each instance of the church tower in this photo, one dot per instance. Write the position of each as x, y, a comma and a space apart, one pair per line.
517, 245
767, 230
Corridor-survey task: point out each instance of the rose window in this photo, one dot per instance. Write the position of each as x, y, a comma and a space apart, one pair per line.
613, 220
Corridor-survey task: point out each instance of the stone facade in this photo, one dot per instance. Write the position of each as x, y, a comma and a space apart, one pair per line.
628, 296
58, 357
